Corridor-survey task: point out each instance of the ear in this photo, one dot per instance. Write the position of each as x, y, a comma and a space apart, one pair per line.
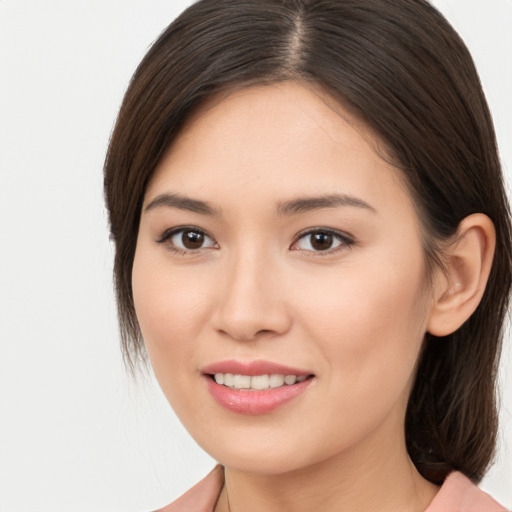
460, 287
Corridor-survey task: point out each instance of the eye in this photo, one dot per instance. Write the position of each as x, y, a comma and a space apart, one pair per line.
321, 240
187, 239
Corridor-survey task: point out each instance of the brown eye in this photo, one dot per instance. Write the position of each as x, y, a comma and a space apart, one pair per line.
192, 239
320, 240
187, 239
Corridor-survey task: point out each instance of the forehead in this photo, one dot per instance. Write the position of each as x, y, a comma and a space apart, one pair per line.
275, 140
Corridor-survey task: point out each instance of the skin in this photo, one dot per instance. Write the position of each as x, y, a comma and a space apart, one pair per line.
354, 315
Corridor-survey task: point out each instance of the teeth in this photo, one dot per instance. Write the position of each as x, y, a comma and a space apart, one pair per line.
242, 382
276, 381
260, 382
256, 382
290, 379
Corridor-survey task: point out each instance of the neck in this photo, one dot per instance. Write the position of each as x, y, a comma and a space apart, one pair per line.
376, 477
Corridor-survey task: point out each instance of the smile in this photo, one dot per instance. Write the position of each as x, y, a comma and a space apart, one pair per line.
254, 387
256, 382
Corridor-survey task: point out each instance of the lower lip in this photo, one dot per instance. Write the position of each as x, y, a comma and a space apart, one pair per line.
245, 401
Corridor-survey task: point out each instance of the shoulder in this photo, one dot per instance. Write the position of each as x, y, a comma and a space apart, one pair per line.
202, 497
460, 494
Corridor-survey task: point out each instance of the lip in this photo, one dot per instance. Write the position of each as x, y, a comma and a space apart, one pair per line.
252, 402
252, 368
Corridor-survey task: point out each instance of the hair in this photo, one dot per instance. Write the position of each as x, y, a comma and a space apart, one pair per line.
401, 69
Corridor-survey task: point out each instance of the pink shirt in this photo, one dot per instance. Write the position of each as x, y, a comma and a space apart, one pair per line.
458, 494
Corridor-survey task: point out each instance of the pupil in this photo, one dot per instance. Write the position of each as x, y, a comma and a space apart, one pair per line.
321, 241
192, 239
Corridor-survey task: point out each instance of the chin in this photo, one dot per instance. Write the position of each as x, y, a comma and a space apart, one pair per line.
267, 454
273, 464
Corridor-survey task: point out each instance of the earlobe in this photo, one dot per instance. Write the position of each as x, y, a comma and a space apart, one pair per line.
459, 288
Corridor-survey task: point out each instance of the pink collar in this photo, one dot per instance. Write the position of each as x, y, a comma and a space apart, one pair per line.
458, 494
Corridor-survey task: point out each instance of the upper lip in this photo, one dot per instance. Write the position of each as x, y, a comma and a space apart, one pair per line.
252, 368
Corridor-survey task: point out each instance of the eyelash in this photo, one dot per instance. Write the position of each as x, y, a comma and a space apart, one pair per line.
345, 240
170, 233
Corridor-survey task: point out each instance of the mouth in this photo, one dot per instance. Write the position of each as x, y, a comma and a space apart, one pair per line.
257, 382
257, 387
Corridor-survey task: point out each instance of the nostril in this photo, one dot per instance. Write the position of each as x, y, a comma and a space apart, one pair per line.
263, 331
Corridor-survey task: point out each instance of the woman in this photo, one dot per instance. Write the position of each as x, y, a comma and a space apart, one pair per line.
313, 246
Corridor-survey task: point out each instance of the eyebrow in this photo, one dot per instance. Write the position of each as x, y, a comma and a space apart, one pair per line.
182, 203
307, 204
287, 208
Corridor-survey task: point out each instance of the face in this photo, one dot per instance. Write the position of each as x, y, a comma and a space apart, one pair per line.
274, 242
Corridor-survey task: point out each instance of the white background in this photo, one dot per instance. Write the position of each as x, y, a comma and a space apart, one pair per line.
76, 434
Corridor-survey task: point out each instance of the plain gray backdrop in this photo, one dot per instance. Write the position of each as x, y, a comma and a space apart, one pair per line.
76, 434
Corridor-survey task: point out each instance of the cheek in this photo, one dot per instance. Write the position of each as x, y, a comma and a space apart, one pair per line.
368, 330
169, 314
168, 308
370, 322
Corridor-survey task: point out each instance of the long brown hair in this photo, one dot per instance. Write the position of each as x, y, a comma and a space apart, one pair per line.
403, 70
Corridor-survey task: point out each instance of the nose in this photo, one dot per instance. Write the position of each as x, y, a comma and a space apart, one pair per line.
251, 300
